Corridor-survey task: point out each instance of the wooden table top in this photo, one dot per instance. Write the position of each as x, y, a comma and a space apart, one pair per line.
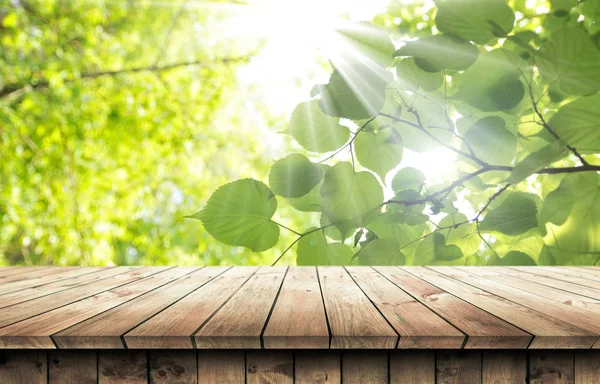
299, 307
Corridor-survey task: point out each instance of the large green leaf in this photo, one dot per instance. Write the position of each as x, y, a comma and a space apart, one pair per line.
379, 151
294, 176
368, 40
408, 178
515, 215
461, 233
310, 202
492, 83
578, 123
475, 20
516, 258
433, 248
537, 161
313, 250
434, 53
411, 77
239, 214
571, 60
316, 131
491, 141
381, 252
350, 199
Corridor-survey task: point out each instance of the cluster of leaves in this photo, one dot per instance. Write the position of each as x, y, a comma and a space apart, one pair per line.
511, 89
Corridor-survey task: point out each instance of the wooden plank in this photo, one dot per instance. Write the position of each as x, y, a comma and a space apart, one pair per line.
549, 332
73, 367
19, 367
35, 332
458, 367
298, 318
317, 367
25, 310
40, 280
365, 367
174, 326
563, 275
122, 367
269, 367
417, 325
173, 367
504, 367
61, 285
29, 273
226, 367
355, 323
551, 367
412, 367
12, 270
239, 323
587, 367
484, 330
105, 330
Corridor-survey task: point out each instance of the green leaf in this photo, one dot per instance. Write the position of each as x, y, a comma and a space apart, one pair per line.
411, 77
515, 215
463, 236
571, 61
434, 248
239, 214
408, 178
517, 258
537, 160
577, 123
355, 91
381, 252
314, 250
316, 131
492, 83
294, 176
379, 151
310, 202
573, 189
368, 40
479, 21
350, 199
434, 53
491, 141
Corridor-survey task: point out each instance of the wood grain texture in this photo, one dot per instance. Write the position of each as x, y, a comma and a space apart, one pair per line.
39, 279
458, 367
504, 367
551, 367
73, 367
587, 367
20, 367
226, 367
122, 367
354, 321
106, 329
364, 367
35, 273
239, 323
298, 318
174, 326
317, 367
412, 367
484, 329
584, 279
173, 367
269, 367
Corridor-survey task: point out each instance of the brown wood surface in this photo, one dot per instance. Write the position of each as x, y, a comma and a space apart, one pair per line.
412, 367
355, 323
226, 367
317, 367
173, 367
504, 367
298, 318
73, 367
587, 367
46, 276
20, 367
551, 367
364, 367
270, 367
462, 367
122, 367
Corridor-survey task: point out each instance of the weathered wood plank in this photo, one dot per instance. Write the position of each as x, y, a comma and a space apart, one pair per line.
35, 332
270, 367
19, 367
587, 367
317, 367
73, 367
298, 318
173, 367
105, 330
364, 367
458, 367
563, 275
40, 280
549, 332
417, 325
14, 270
239, 323
30, 273
226, 367
412, 367
551, 367
174, 326
122, 367
354, 321
504, 367
484, 330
